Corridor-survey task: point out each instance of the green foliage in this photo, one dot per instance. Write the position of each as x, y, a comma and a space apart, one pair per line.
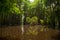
14, 9
32, 20
28, 19
41, 21
9, 6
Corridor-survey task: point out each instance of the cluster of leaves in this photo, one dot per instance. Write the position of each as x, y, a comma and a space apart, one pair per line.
9, 6
32, 20
41, 21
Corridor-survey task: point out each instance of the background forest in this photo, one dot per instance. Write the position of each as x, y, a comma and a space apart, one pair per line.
39, 12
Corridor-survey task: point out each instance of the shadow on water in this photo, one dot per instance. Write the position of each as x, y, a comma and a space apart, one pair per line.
9, 38
57, 37
3, 38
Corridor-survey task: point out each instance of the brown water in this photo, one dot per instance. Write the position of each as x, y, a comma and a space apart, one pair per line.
15, 33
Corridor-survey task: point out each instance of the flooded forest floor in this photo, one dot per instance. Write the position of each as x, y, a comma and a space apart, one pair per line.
36, 32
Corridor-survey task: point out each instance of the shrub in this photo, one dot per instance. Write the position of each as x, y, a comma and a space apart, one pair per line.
32, 20
28, 19
41, 21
